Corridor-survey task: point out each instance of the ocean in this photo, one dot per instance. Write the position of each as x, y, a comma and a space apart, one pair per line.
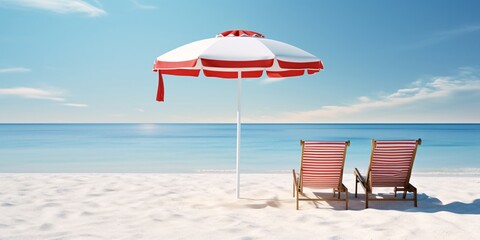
187, 148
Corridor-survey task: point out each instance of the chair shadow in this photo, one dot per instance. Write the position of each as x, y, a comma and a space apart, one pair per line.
426, 204
325, 200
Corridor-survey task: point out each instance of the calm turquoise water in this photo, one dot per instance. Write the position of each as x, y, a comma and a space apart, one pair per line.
211, 147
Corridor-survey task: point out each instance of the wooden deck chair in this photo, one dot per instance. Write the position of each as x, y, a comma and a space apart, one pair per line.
321, 167
391, 165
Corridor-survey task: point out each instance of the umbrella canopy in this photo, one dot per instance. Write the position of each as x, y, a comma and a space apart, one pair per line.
235, 54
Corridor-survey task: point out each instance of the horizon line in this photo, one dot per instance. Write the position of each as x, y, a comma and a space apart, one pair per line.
312, 123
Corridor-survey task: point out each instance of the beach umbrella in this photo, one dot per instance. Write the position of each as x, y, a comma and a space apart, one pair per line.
235, 54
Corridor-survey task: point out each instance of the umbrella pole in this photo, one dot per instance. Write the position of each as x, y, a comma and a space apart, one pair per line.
238, 131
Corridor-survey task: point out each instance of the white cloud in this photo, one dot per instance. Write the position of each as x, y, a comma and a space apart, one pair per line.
402, 104
59, 6
142, 6
364, 99
26, 92
14, 70
140, 110
79, 105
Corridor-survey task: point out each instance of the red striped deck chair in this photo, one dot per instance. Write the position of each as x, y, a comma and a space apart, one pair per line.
321, 167
391, 165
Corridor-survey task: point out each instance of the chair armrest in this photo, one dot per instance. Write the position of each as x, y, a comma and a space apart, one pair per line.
359, 177
295, 179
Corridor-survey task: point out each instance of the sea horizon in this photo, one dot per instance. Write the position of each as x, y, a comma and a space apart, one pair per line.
243, 123
210, 147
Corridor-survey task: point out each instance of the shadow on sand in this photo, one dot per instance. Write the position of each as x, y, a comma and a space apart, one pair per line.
426, 204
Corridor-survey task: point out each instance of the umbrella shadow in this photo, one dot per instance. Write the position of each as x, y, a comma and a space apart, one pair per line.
274, 203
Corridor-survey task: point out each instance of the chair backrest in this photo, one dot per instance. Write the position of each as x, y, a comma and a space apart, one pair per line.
322, 163
391, 162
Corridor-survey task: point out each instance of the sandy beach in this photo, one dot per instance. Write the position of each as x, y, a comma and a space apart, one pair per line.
203, 206
128, 120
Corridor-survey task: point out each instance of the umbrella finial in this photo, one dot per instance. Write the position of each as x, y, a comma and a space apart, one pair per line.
240, 33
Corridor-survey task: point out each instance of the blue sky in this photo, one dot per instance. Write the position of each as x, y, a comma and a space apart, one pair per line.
385, 61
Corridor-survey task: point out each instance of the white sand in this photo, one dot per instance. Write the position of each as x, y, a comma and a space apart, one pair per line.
203, 206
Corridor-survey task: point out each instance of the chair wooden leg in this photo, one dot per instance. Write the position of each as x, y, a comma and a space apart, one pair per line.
334, 192
346, 198
356, 186
366, 199
297, 200
293, 190
404, 194
395, 191
415, 197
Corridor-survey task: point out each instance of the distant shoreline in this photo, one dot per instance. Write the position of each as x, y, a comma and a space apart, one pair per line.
424, 172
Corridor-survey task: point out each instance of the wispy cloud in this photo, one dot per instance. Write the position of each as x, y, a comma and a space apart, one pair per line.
59, 6
14, 70
27, 92
78, 105
458, 31
142, 6
443, 87
446, 35
36, 93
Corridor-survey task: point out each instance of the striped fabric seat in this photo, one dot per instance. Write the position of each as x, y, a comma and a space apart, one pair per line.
321, 167
391, 163
322, 164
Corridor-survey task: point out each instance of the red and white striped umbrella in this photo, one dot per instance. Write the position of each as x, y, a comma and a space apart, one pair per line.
236, 54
